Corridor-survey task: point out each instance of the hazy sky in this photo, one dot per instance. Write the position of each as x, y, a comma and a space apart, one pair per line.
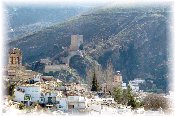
85, 2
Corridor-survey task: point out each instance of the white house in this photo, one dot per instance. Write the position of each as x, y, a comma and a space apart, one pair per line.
124, 86
134, 84
96, 104
35, 93
100, 100
62, 103
50, 97
77, 102
27, 93
19, 95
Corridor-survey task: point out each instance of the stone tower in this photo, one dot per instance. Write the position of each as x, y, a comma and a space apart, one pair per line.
15, 57
118, 79
76, 41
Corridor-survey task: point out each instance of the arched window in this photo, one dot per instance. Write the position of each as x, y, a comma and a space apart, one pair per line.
11, 60
18, 60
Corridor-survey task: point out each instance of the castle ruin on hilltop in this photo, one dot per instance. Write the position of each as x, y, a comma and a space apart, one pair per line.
75, 48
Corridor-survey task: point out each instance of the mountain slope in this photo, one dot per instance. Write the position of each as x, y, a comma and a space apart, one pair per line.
135, 40
29, 19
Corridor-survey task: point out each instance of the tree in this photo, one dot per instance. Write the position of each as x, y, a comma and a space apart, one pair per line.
95, 86
89, 75
126, 97
132, 101
109, 72
100, 75
118, 94
81, 47
155, 102
10, 88
129, 93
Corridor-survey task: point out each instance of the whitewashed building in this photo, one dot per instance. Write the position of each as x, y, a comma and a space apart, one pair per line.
124, 86
77, 102
26, 93
36, 93
62, 103
134, 84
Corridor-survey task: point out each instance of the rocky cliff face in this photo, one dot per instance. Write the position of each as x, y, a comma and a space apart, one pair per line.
135, 40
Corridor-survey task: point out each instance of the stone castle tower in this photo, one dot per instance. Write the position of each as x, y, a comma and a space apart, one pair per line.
76, 41
118, 79
15, 57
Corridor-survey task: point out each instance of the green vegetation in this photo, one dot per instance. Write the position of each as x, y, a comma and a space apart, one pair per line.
95, 86
34, 104
79, 64
126, 97
37, 66
81, 47
69, 75
10, 88
21, 106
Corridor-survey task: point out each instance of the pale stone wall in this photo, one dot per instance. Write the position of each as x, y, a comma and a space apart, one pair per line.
45, 61
55, 68
117, 80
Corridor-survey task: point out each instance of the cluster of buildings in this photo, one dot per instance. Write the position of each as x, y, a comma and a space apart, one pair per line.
32, 87
53, 93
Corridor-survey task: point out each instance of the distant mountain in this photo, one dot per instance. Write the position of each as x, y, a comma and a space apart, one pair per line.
134, 39
24, 20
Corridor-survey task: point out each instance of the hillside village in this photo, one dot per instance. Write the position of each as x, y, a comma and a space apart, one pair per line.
31, 91
134, 40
